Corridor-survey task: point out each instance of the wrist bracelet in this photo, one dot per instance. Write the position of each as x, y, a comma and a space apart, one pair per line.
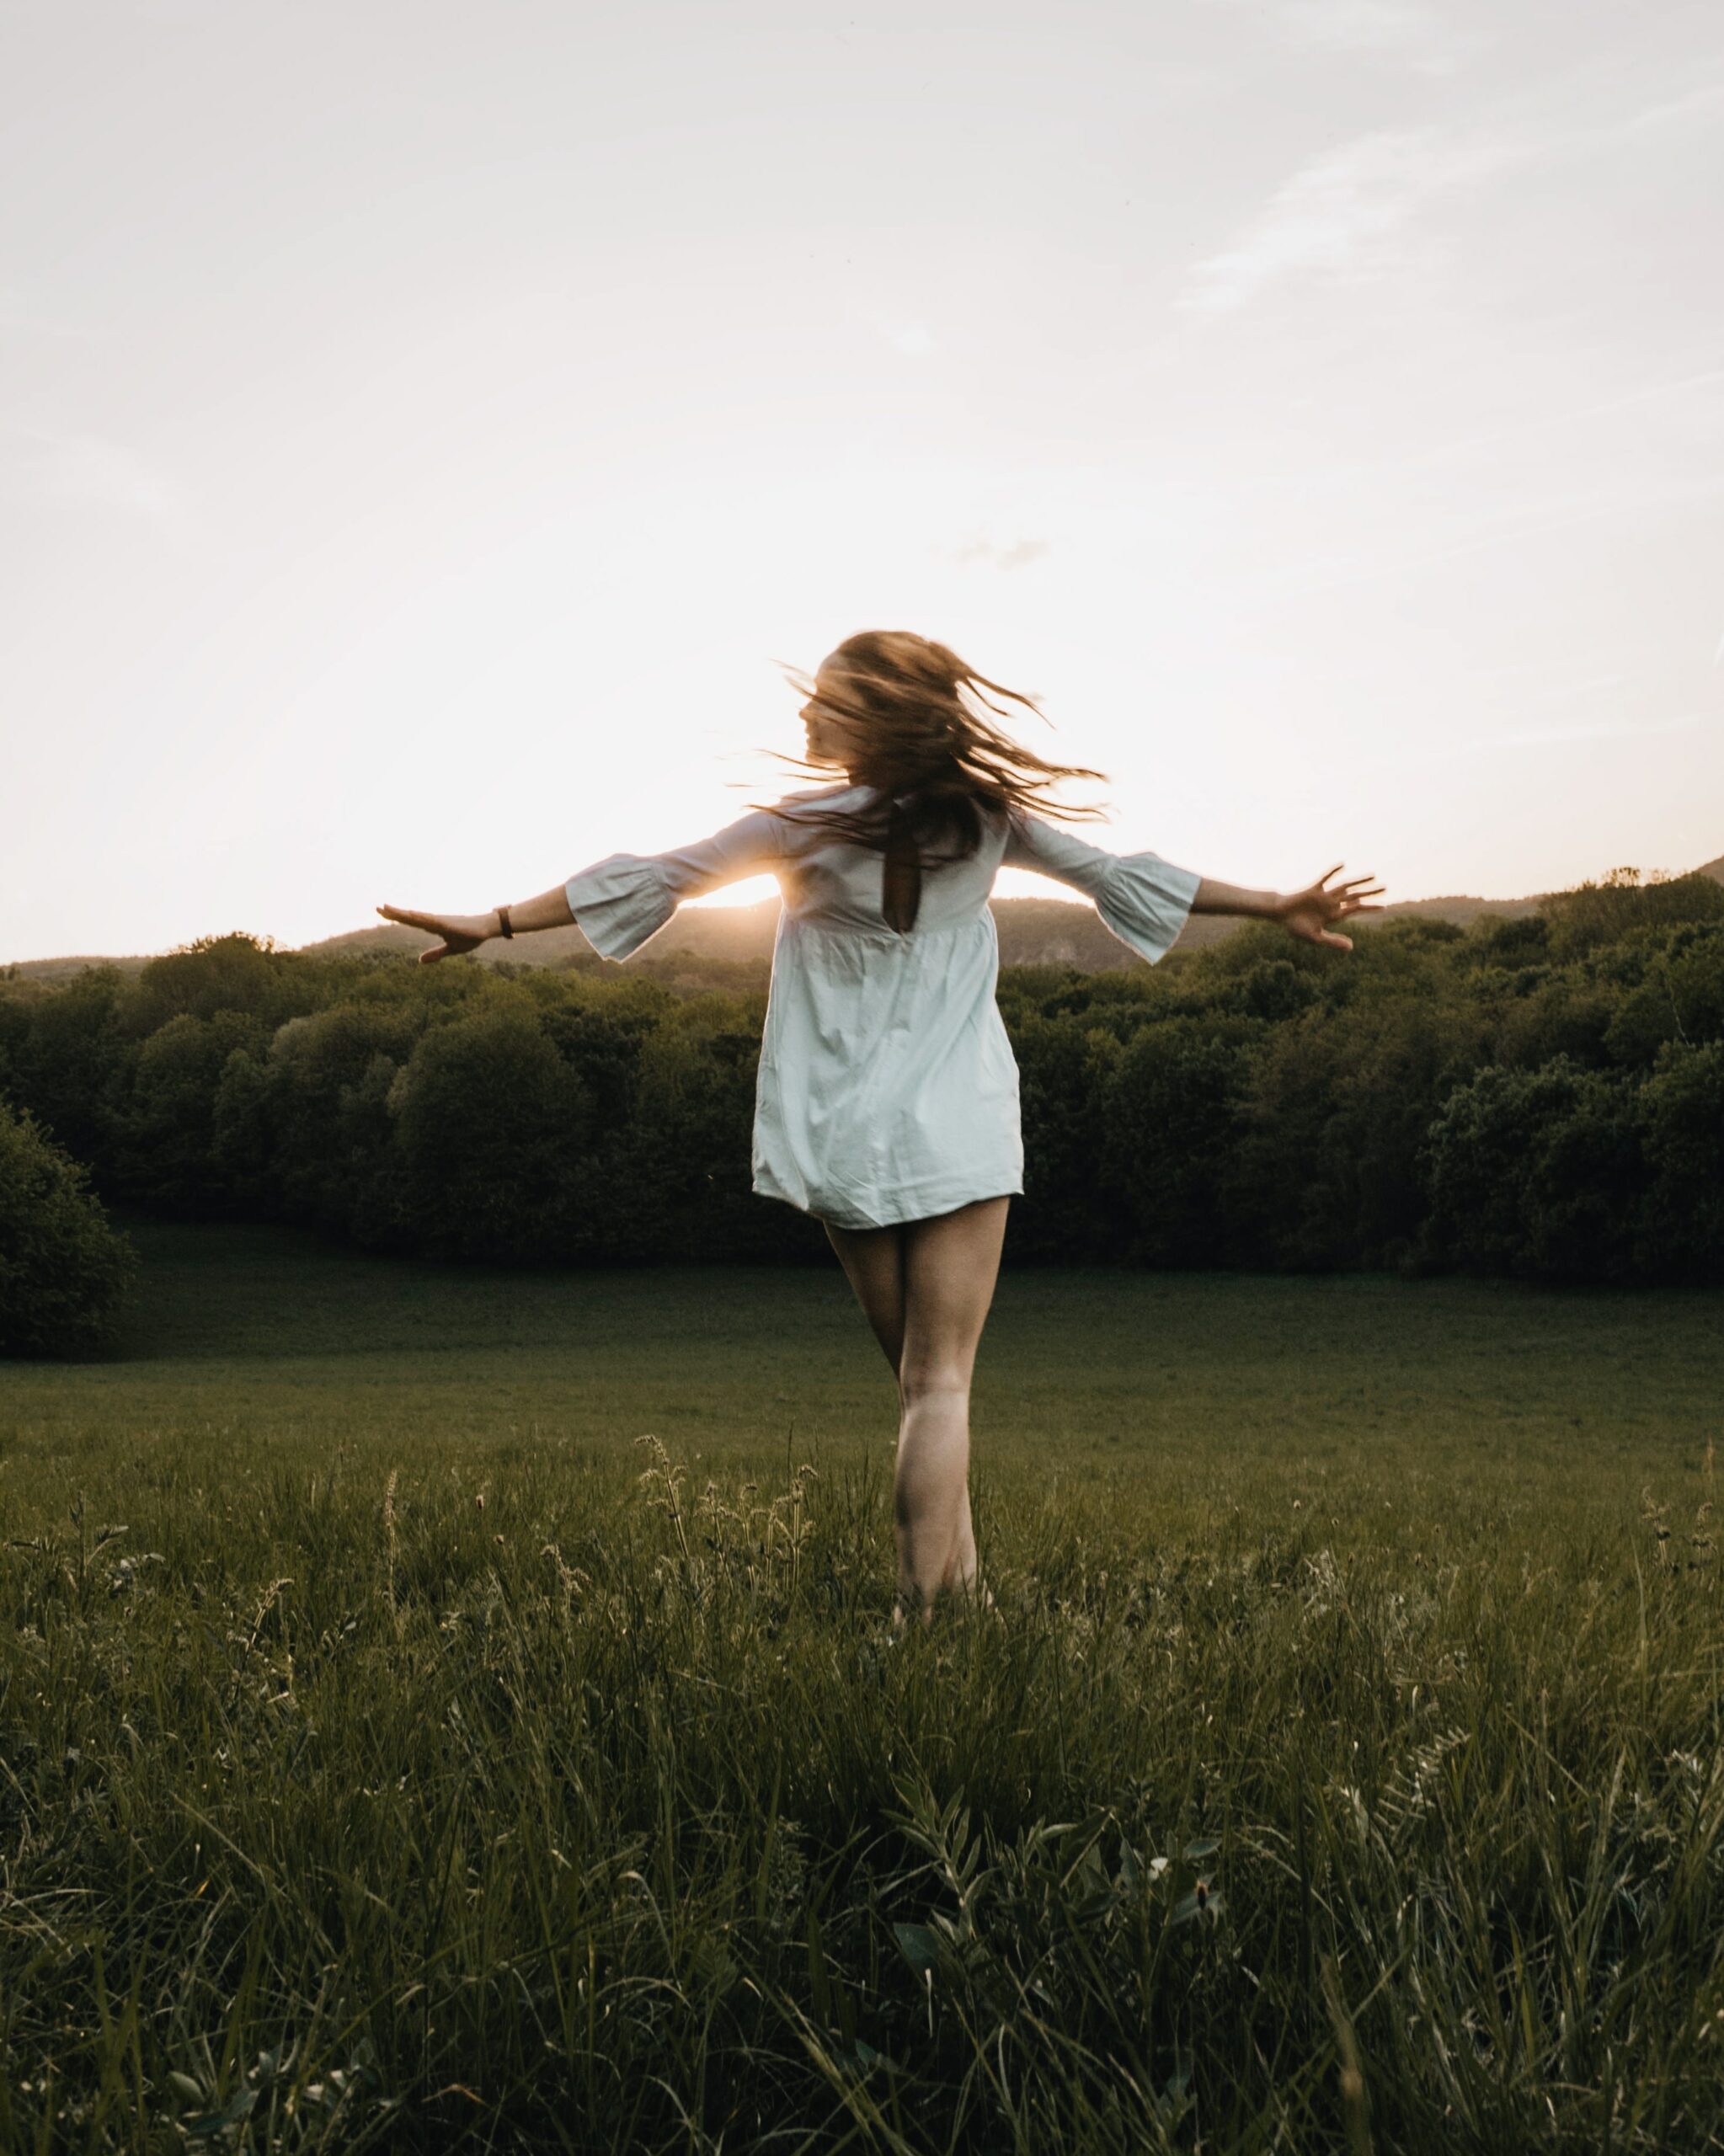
504, 927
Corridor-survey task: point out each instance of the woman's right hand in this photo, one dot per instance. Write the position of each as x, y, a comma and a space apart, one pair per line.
461, 931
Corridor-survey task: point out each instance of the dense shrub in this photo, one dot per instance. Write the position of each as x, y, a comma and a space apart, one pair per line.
163, 1132
63, 1269
70, 1059
321, 1112
1063, 1068
1170, 1113
1599, 913
693, 1155
225, 974
1682, 1105
490, 1125
1327, 1169
1538, 1173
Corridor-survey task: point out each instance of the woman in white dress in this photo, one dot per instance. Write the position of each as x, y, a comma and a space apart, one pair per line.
887, 1103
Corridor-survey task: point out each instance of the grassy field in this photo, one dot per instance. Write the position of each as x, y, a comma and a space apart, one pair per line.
396, 1750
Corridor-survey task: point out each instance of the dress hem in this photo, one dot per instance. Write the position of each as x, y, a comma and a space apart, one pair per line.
910, 1205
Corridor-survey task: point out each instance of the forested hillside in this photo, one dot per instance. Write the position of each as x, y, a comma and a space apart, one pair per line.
1541, 1095
1031, 931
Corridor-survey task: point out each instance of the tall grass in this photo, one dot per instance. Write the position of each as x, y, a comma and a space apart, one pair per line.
389, 1793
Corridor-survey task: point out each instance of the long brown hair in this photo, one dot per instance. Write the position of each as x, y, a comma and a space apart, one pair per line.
932, 754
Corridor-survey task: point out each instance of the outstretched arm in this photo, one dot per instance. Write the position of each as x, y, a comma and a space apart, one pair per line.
622, 900
1308, 914
1144, 899
466, 932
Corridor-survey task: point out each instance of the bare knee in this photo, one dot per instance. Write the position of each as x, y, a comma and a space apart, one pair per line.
921, 1379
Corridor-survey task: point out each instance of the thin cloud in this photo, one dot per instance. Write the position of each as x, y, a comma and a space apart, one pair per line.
908, 335
989, 554
1343, 213
905, 335
1346, 214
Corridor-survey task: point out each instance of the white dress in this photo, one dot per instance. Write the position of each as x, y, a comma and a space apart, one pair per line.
888, 1090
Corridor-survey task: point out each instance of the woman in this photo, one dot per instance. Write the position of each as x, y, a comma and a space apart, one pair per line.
887, 1103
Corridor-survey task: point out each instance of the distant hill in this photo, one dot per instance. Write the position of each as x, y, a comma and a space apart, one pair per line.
52, 969
1032, 931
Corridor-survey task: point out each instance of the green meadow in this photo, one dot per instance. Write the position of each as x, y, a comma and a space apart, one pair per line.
449, 1708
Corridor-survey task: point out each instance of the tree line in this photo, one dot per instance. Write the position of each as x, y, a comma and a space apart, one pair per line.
1540, 1097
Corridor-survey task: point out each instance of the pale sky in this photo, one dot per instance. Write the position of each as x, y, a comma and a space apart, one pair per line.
423, 427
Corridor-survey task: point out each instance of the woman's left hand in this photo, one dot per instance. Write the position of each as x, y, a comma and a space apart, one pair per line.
1308, 914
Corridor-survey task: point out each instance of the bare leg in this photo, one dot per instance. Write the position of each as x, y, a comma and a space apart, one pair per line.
873, 1260
925, 1288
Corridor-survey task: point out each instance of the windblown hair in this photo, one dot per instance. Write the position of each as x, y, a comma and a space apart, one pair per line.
932, 755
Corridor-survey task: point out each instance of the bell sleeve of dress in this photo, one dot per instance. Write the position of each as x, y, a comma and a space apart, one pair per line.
622, 900
1144, 900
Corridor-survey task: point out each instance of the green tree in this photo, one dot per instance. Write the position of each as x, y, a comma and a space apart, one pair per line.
1539, 1173
71, 1064
1332, 1124
694, 1158
1170, 1120
64, 1270
490, 1127
1066, 1213
326, 1113
1670, 993
162, 1151
1604, 912
222, 974
1682, 1110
